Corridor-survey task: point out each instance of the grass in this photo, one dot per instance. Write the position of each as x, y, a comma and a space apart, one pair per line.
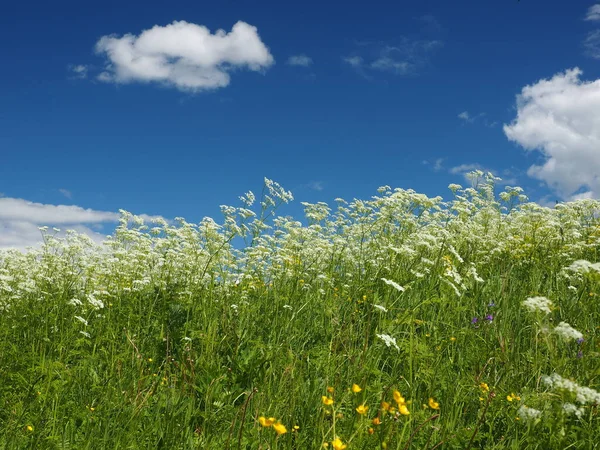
170, 337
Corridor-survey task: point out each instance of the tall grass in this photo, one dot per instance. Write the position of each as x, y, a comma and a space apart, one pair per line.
396, 322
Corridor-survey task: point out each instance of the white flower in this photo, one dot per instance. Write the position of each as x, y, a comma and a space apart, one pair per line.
82, 320
542, 304
570, 409
583, 394
381, 308
393, 284
527, 413
567, 332
87, 335
388, 340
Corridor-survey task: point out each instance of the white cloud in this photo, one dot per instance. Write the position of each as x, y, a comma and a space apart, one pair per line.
465, 116
560, 117
20, 221
184, 55
316, 185
354, 61
299, 60
592, 44
593, 13
404, 58
66, 193
79, 71
437, 164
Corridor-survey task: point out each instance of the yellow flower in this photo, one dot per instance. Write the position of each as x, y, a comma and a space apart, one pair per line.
362, 409
385, 406
398, 398
327, 401
512, 397
371, 430
356, 388
330, 389
279, 428
29, 428
296, 427
149, 359
338, 444
433, 404
403, 410
484, 387
266, 422
376, 421
453, 339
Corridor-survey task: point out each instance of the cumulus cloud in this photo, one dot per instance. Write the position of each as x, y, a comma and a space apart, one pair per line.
20, 221
184, 55
593, 13
299, 60
560, 117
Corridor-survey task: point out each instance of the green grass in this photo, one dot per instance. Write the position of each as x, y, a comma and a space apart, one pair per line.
189, 339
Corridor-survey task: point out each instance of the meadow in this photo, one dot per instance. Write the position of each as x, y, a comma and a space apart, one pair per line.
397, 322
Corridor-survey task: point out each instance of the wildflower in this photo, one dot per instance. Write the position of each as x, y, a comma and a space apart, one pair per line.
433, 404
327, 401
541, 304
376, 421
453, 339
403, 409
393, 284
381, 308
527, 413
362, 409
489, 318
388, 340
580, 340
356, 388
266, 422
295, 428
567, 332
583, 394
385, 406
29, 428
484, 387
149, 359
512, 397
279, 428
330, 389
338, 444
570, 408
371, 430
398, 398
474, 320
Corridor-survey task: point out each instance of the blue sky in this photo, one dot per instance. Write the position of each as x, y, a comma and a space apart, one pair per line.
330, 99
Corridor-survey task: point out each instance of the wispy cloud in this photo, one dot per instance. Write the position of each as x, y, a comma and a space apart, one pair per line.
315, 185
467, 118
299, 60
79, 71
591, 44
66, 193
437, 165
183, 55
406, 57
593, 13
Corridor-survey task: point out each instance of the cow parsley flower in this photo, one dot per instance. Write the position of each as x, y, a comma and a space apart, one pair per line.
567, 332
527, 413
541, 304
393, 284
388, 340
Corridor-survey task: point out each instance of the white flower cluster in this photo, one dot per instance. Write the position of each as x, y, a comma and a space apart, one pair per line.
583, 394
393, 284
571, 409
527, 413
567, 332
388, 340
541, 304
583, 266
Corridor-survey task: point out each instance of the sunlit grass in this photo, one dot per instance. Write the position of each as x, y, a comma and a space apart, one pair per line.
398, 322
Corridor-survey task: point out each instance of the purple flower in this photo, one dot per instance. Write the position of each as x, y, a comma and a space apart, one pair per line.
491, 304
580, 354
474, 320
580, 340
489, 317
